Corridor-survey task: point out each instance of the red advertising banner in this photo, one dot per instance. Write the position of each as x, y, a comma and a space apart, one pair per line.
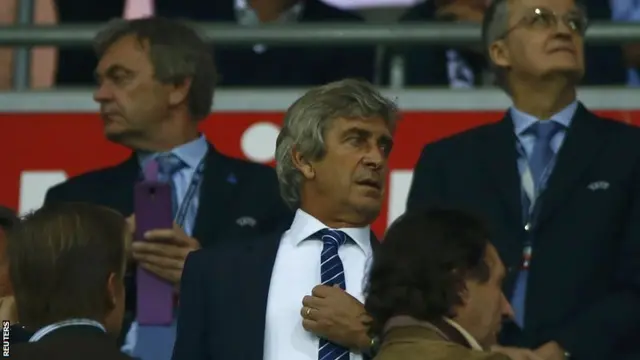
42, 149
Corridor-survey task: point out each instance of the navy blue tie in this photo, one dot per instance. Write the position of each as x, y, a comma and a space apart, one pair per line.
332, 273
541, 156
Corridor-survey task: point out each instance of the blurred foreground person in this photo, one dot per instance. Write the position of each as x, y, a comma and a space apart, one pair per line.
67, 268
297, 294
434, 289
8, 220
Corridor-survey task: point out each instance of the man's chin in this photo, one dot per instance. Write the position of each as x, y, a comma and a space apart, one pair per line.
369, 209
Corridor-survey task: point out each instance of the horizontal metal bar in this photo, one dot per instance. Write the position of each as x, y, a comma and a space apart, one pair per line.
264, 101
308, 34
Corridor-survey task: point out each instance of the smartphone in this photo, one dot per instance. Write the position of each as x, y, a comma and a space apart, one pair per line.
153, 210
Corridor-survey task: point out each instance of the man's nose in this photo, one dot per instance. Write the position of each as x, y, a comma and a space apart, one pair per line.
375, 157
102, 93
507, 310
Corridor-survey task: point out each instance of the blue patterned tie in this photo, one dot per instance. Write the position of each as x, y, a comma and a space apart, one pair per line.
168, 165
156, 342
332, 273
540, 158
542, 152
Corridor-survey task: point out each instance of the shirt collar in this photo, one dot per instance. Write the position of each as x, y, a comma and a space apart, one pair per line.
470, 339
522, 121
191, 153
305, 225
71, 322
246, 16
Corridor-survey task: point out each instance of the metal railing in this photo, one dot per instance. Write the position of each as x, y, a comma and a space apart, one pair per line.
308, 34
25, 36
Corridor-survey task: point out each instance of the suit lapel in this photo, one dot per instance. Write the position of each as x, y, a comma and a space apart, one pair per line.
255, 292
500, 158
375, 243
584, 139
120, 196
218, 188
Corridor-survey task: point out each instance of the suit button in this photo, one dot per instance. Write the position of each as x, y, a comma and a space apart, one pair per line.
527, 227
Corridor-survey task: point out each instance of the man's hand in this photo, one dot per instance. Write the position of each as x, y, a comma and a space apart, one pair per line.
333, 314
551, 351
516, 353
164, 251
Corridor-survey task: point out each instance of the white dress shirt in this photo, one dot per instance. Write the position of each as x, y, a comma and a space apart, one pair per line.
475, 345
295, 273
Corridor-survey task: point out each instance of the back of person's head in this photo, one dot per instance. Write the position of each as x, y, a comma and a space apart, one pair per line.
436, 264
8, 220
67, 261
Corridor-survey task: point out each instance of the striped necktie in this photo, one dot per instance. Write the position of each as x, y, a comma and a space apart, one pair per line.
332, 273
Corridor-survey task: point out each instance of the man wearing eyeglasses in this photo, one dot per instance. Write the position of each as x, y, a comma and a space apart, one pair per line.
559, 186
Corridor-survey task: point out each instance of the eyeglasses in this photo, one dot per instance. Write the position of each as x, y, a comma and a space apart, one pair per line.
543, 18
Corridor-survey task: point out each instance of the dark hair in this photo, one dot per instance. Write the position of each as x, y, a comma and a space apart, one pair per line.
61, 257
8, 218
177, 53
420, 268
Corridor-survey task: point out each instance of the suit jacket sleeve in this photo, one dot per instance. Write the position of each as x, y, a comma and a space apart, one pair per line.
190, 335
427, 188
615, 319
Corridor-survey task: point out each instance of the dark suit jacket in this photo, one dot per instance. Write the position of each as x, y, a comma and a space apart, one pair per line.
238, 66
584, 281
254, 194
223, 300
71, 343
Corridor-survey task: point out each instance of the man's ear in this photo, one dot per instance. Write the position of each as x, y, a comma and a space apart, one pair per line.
499, 54
178, 92
302, 164
112, 290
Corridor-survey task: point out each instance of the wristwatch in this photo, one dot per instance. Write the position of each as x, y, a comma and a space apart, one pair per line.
374, 346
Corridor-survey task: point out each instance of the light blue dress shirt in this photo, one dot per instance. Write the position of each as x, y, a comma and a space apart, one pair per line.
192, 153
523, 121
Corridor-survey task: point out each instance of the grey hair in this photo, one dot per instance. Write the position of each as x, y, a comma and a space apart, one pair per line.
308, 119
495, 25
176, 52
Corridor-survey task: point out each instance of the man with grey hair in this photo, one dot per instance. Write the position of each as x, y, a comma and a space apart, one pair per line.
559, 185
297, 294
156, 80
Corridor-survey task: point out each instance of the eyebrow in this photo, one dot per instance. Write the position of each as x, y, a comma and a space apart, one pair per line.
112, 70
384, 139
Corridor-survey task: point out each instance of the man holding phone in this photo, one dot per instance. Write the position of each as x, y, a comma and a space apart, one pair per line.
156, 81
